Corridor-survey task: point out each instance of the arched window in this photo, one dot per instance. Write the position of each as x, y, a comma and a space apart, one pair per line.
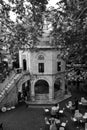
40, 57
40, 64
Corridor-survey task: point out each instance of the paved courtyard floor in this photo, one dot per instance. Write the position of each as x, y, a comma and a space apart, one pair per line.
27, 118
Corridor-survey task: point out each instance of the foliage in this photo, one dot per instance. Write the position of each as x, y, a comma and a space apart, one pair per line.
70, 29
27, 26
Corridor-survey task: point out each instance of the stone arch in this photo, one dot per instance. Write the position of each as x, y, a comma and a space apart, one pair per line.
24, 90
40, 54
58, 84
41, 86
22, 80
40, 57
42, 78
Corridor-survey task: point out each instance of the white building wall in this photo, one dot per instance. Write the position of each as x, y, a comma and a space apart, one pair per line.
50, 68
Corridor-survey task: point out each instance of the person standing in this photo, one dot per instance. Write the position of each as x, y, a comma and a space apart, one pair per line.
76, 103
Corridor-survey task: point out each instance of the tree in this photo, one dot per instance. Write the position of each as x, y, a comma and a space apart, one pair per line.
28, 24
70, 29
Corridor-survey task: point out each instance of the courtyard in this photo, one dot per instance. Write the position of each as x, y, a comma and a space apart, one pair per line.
32, 118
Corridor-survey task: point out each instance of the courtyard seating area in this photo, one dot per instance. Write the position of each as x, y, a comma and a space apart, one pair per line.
36, 118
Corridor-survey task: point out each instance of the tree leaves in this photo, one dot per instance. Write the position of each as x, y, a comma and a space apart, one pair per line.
27, 26
69, 28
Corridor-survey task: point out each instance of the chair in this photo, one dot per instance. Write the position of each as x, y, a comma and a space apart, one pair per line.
46, 110
85, 126
61, 128
85, 114
3, 109
82, 99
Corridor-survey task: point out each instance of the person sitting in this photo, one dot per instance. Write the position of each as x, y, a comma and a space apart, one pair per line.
83, 101
47, 124
53, 125
69, 104
76, 103
57, 106
77, 114
54, 110
57, 111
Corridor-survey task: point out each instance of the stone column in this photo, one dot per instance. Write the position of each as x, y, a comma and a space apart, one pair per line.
63, 84
32, 91
51, 89
51, 92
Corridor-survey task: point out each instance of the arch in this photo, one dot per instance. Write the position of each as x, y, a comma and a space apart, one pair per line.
57, 84
24, 64
41, 87
40, 57
24, 91
40, 54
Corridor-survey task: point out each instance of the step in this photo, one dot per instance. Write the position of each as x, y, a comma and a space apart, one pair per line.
46, 103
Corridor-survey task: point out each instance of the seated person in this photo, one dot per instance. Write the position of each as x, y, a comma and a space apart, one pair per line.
83, 100
76, 103
77, 114
47, 124
53, 125
54, 110
69, 104
57, 107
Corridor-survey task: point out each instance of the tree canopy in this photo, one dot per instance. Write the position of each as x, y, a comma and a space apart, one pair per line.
27, 25
69, 22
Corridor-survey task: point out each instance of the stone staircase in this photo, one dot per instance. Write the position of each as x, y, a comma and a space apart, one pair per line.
8, 94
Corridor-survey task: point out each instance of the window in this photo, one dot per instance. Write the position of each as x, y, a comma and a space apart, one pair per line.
58, 66
41, 67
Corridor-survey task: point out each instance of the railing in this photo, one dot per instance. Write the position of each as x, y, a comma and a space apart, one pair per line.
9, 86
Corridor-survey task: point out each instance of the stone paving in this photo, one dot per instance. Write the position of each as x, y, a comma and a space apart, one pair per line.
24, 118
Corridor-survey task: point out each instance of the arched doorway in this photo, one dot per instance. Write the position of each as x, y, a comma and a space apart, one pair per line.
41, 87
24, 91
57, 85
24, 64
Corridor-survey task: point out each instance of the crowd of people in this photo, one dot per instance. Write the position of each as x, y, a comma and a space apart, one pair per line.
53, 120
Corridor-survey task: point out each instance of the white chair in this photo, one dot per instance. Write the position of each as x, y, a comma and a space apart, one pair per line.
85, 126
3, 109
13, 107
82, 99
46, 110
61, 128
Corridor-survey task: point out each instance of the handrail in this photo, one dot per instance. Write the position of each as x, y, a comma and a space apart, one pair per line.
8, 82
12, 85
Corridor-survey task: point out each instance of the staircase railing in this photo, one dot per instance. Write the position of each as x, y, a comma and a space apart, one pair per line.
16, 78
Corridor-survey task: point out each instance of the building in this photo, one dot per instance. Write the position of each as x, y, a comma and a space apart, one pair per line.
46, 68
